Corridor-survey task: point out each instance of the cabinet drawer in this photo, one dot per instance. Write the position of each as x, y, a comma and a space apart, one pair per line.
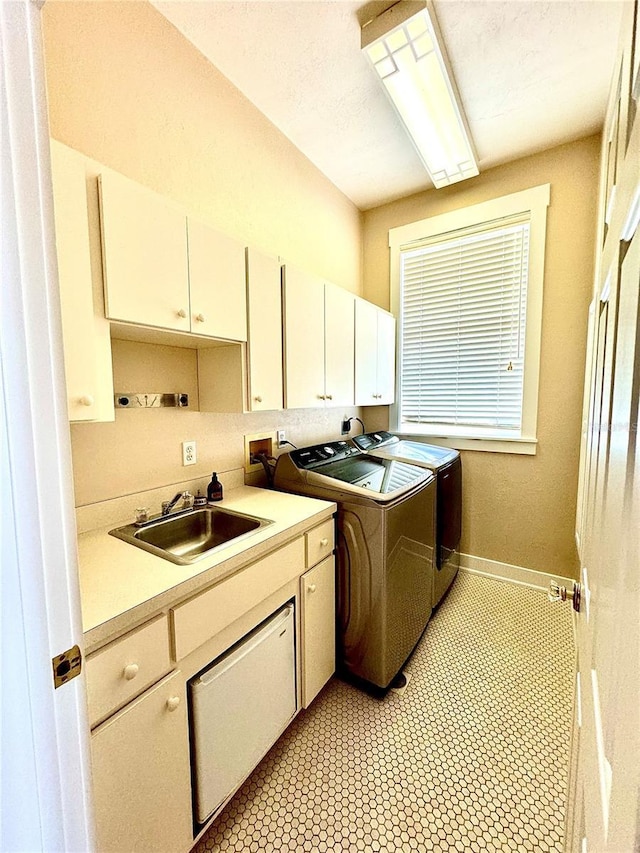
201, 618
319, 543
126, 667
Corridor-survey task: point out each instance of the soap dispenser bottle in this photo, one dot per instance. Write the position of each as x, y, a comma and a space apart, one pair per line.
214, 490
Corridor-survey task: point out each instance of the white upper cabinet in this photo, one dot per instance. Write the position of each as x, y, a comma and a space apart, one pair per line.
217, 283
144, 244
319, 342
303, 339
264, 348
375, 333
166, 271
86, 340
339, 306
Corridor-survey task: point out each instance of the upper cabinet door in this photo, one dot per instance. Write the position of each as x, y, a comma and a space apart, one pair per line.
85, 332
264, 349
303, 339
375, 355
217, 282
339, 346
366, 353
144, 240
386, 361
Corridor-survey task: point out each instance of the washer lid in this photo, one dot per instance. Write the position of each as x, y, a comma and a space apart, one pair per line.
431, 455
373, 475
384, 445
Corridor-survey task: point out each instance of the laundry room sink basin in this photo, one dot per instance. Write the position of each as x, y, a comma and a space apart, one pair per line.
189, 536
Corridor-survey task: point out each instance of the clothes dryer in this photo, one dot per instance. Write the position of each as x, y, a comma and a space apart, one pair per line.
385, 551
447, 467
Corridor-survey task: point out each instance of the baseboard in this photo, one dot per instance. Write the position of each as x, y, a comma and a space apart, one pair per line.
512, 574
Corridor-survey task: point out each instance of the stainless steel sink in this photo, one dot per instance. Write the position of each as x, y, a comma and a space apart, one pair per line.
189, 536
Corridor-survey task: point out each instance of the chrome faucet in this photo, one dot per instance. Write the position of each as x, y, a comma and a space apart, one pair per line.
187, 502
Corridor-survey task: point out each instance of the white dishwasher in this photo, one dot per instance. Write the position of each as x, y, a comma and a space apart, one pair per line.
239, 707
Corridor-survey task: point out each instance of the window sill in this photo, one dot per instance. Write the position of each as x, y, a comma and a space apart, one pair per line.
522, 446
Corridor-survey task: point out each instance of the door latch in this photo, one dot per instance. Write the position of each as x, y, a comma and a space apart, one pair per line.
66, 666
559, 593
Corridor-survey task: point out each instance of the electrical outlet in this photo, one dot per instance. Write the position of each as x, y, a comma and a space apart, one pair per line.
345, 426
281, 437
188, 453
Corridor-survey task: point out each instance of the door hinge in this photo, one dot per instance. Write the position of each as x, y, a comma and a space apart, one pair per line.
66, 666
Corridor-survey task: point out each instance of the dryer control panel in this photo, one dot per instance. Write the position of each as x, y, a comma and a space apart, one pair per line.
370, 440
320, 454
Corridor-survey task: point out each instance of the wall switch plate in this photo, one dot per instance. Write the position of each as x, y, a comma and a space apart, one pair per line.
281, 437
188, 453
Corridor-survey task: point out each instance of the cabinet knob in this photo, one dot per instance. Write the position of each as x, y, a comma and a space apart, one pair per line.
311, 587
130, 671
324, 542
321, 397
329, 397
200, 318
258, 399
181, 313
172, 703
86, 400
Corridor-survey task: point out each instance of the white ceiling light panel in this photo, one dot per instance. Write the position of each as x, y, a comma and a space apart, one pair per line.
403, 46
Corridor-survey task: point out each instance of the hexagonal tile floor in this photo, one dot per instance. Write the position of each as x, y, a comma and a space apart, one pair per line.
473, 756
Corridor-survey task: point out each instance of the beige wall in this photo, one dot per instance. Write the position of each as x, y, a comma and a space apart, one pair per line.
520, 509
126, 89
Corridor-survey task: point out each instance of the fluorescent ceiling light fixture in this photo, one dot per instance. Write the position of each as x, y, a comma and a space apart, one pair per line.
403, 46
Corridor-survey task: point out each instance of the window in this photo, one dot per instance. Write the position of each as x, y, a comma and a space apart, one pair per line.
467, 292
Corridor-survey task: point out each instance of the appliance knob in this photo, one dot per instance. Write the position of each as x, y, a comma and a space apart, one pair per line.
130, 671
329, 450
172, 703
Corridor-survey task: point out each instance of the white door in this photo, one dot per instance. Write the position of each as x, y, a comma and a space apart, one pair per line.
303, 339
604, 814
144, 244
217, 285
608, 624
339, 345
366, 353
264, 347
386, 358
44, 761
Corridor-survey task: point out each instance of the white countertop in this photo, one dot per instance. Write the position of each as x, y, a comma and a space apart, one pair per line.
122, 585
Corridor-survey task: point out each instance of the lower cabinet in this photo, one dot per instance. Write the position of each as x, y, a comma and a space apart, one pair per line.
318, 595
141, 754
141, 773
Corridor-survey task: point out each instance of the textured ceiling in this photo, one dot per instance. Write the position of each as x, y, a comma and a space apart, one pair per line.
531, 74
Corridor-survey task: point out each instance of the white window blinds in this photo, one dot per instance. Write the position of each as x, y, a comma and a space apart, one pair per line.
463, 318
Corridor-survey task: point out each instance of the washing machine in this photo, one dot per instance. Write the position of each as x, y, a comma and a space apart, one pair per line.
384, 554
446, 465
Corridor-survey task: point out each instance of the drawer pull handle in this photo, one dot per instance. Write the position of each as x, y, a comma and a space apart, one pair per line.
130, 671
311, 587
324, 542
172, 703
